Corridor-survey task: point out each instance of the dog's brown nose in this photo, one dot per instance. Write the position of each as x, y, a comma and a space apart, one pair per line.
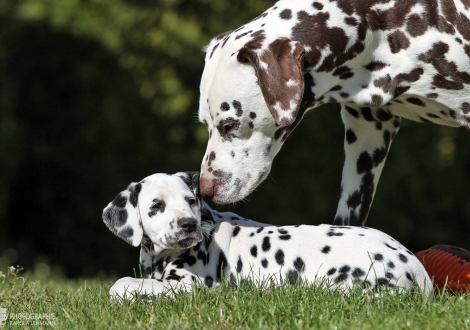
207, 187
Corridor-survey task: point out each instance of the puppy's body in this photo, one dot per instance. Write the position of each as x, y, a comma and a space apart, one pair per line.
224, 243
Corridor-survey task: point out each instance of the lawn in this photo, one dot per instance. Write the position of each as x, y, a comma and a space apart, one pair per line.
79, 304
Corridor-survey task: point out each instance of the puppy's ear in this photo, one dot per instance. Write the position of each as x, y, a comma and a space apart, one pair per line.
191, 178
122, 215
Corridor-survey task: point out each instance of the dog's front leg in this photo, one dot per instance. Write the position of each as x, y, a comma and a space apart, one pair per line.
129, 288
369, 133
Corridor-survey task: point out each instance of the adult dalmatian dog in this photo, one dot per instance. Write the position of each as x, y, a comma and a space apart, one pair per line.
380, 60
183, 241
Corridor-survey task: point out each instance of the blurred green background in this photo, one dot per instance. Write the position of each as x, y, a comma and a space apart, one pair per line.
95, 94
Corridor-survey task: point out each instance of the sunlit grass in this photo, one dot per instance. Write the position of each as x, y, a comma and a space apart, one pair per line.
86, 304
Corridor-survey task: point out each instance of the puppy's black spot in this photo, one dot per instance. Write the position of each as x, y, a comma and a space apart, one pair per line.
326, 249
350, 136
357, 272
236, 230
264, 263
127, 232
378, 257
224, 106
279, 256
134, 196
239, 265
266, 244
221, 265
331, 271
292, 276
402, 258
299, 264
120, 201
254, 251
208, 281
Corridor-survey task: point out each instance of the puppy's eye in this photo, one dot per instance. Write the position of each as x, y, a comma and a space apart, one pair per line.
191, 202
157, 206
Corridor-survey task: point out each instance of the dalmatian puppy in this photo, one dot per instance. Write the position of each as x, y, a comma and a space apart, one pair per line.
183, 242
379, 59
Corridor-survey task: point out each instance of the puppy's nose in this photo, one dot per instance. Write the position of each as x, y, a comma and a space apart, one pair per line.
188, 225
207, 187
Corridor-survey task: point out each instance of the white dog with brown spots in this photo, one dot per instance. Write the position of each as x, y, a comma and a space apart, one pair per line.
380, 60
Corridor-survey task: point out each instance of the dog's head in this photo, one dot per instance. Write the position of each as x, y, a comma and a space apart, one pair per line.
163, 209
252, 97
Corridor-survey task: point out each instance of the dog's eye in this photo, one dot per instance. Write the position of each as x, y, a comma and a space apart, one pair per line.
157, 206
191, 202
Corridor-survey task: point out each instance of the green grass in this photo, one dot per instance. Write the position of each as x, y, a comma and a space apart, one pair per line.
85, 304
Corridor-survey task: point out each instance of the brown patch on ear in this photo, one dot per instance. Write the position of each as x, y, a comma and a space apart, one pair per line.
280, 76
217, 38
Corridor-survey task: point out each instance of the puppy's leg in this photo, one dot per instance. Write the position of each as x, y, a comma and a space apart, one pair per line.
129, 288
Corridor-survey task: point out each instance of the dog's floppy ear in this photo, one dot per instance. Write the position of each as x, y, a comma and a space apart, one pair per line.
280, 75
191, 178
122, 215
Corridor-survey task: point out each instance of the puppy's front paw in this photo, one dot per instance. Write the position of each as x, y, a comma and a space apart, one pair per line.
126, 288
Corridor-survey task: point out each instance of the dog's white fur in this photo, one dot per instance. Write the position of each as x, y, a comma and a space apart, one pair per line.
225, 243
379, 60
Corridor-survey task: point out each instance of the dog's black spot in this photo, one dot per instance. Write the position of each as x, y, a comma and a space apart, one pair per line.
134, 194
402, 258
341, 278
208, 281
354, 200
279, 256
350, 136
120, 201
201, 255
224, 106
378, 257
236, 230
254, 251
127, 232
260, 229
221, 265
389, 275
284, 237
173, 276
364, 163
238, 108
292, 276
266, 244
416, 101
239, 265
357, 272
383, 115
264, 263
344, 269
391, 265
299, 264
409, 277
390, 247
331, 271
326, 249
352, 112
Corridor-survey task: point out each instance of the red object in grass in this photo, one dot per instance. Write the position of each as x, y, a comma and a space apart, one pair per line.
448, 266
